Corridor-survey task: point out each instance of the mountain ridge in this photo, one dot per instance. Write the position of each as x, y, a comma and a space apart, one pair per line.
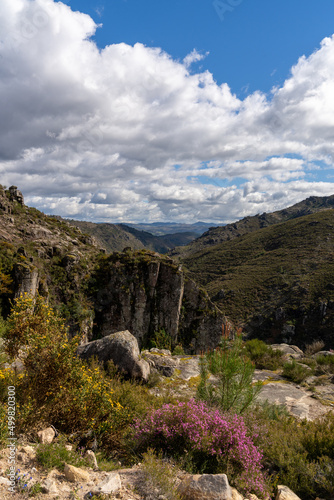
249, 224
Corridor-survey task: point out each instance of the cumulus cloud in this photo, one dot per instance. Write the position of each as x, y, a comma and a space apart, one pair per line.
127, 133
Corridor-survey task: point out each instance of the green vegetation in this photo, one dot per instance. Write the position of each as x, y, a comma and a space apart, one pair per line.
58, 387
234, 390
302, 459
56, 455
160, 340
295, 371
264, 357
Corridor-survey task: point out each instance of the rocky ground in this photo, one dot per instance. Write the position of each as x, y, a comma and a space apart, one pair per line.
311, 399
179, 374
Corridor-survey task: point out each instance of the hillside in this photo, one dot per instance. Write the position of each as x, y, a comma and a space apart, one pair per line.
277, 281
250, 224
97, 293
115, 237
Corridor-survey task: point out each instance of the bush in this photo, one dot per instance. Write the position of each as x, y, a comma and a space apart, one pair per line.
160, 340
313, 348
264, 356
204, 440
295, 372
325, 364
235, 390
303, 459
57, 387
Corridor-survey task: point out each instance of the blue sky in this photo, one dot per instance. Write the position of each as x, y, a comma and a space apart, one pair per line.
128, 111
251, 47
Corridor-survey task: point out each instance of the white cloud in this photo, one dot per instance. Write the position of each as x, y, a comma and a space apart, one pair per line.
194, 56
97, 133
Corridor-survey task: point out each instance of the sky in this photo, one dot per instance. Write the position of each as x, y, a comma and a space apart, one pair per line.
127, 111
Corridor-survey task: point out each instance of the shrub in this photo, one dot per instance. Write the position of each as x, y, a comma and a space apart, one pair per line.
302, 459
205, 441
295, 371
313, 348
325, 364
161, 340
56, 386
234, 390
178, 350
264, 356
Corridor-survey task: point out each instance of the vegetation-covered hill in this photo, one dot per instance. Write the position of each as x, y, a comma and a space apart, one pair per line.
250, 224
277, 281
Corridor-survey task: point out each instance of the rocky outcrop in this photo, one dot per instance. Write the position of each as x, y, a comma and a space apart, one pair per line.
122, 349
8, 198
26, 279
15, 195
145, 293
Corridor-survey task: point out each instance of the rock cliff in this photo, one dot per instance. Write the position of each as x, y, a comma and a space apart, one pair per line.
145, 293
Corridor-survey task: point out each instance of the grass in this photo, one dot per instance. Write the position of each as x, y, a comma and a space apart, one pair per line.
56, 455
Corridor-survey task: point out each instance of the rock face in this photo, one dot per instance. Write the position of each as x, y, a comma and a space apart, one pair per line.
206, 487
144, 293
122, 349
26, 279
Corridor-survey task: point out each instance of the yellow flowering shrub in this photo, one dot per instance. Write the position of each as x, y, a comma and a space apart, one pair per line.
56, 387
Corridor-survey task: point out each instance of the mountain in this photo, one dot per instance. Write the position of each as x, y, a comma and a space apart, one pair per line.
163, 228
115, 237
97, 293
276, 281
249, 224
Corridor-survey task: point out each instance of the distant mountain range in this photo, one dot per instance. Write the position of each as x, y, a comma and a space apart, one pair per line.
162, 228
159, 237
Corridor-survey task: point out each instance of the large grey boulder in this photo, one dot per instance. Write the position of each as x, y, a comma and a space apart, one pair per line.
291, 351
121, 348
205, 487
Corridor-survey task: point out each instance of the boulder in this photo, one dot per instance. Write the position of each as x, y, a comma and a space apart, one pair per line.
46, 436
110, 484
291, 351
205, 487
75, 475
162, 360
284, 493
120, 347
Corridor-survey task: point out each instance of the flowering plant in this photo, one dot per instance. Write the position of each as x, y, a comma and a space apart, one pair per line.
212, 442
